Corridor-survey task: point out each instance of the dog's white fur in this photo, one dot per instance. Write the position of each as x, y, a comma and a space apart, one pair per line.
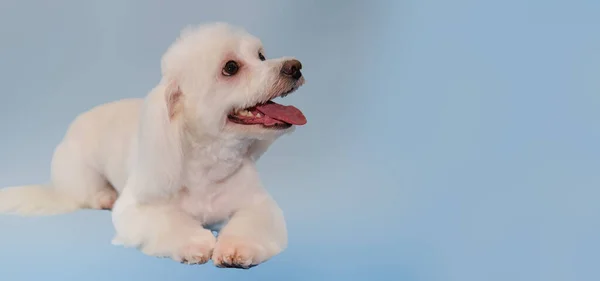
173, 160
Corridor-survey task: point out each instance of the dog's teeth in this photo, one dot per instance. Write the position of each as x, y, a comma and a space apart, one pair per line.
258, 115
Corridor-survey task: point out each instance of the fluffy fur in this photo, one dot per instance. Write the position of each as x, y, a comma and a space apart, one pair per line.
171, 165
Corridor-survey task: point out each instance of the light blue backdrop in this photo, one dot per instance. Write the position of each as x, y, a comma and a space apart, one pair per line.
447, 140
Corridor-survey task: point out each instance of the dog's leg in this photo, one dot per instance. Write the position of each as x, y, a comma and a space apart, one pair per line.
161, 230
252, 236
73, 176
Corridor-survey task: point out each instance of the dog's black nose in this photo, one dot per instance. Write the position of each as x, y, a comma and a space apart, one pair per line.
292, 68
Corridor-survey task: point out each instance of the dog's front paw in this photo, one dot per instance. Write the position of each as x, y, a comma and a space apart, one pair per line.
237, 252
198, 250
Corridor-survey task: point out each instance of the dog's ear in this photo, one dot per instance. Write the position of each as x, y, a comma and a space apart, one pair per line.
173, 99
156, 170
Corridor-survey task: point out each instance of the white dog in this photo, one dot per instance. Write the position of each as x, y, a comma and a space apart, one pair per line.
181, 162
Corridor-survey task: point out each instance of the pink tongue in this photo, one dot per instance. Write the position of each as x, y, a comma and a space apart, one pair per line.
284, 113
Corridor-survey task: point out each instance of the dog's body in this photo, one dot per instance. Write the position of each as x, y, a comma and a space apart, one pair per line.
182, 160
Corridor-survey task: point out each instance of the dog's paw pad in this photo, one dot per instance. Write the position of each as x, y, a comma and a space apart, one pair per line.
234, 253
198, 259
197, 252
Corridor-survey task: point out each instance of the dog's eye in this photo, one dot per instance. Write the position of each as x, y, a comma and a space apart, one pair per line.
230, 68
261, 56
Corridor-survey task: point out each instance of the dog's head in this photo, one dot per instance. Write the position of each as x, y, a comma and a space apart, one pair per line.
220, 81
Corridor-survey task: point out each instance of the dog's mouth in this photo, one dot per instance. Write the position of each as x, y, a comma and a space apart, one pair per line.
269, 114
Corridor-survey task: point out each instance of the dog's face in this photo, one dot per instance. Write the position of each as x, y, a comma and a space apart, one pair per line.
227, 82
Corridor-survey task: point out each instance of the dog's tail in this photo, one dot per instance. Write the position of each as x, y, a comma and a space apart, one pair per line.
35, 200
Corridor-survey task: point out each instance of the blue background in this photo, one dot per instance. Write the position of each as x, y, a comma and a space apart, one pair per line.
447, 140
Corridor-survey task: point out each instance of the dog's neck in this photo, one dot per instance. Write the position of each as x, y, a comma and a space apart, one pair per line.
214, 159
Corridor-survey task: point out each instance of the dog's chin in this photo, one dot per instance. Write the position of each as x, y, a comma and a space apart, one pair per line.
257, 131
